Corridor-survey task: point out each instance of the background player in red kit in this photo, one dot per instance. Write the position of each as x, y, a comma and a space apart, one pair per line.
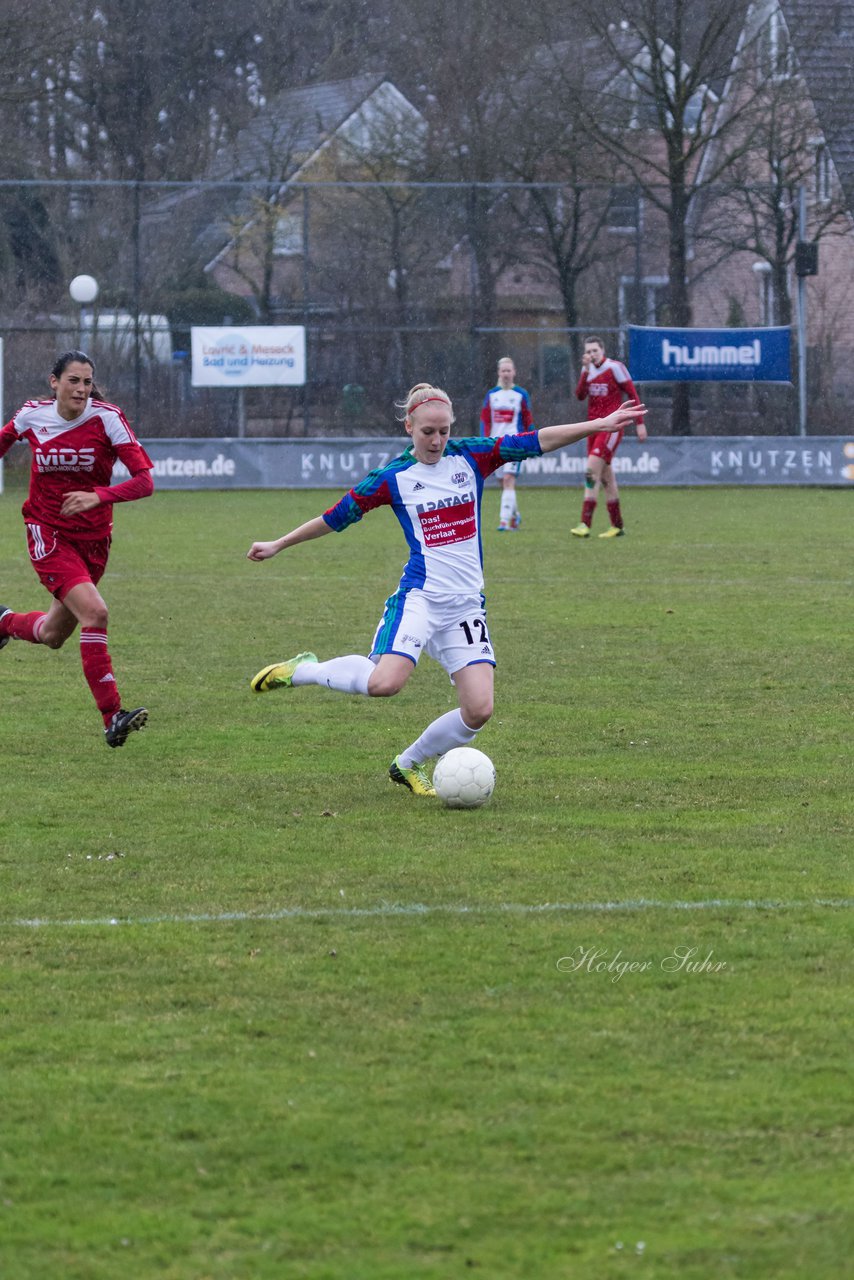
605, 384
75, 440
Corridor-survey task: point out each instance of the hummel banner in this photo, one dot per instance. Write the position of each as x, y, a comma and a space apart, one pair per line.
710, 355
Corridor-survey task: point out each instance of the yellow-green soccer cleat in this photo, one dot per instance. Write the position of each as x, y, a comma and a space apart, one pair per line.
415, 778
580, 531
279, 675
613, 532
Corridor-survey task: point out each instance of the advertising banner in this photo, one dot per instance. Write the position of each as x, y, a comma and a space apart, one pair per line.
259, 356
230, 463
710, 355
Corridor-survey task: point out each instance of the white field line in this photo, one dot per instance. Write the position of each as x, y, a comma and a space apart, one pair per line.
420, 910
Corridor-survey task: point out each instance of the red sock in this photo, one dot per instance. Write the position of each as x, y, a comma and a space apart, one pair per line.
22, 626
98, 670
587, 511
614, 513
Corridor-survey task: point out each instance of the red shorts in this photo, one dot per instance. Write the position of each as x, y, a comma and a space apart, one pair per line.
604, 444
63, 562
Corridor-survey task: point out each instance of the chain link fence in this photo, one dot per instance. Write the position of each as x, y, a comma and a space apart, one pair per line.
394, 283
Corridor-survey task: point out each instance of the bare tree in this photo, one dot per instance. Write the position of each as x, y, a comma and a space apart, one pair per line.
473, 130
36, 38
395, 218
564, 209
457, 62
663, 68
257, 227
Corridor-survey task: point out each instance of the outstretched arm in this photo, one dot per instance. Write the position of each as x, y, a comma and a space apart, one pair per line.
552, 438
304, 533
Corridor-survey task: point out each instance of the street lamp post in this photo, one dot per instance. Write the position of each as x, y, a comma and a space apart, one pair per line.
83, 290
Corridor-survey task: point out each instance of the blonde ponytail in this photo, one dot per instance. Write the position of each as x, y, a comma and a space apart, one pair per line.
421, 393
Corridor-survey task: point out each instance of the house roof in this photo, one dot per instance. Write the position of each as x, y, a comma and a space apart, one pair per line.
271, 150
707, 36
595, 66
299, 120
822, 34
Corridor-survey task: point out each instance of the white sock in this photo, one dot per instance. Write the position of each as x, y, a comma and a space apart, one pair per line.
508, 502
345, 675
450, 730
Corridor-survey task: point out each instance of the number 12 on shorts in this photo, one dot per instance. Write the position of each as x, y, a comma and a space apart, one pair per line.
479, 625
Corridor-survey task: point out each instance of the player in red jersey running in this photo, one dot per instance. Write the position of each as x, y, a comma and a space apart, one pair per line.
606, 385
76, 439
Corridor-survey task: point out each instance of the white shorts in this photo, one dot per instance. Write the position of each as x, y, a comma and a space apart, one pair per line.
509, 469
452, 631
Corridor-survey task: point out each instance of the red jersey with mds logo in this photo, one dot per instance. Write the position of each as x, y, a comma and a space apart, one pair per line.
605, 387
70, 456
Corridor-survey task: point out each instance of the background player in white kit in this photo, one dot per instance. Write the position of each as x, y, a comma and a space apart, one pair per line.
506, 410
435, 490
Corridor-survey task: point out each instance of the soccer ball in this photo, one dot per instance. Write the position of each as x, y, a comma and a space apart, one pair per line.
464, 778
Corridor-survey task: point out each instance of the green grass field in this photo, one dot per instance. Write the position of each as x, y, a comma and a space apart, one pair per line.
266, 1016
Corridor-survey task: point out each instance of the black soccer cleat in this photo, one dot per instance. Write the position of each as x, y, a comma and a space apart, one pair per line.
123, 723
4, 640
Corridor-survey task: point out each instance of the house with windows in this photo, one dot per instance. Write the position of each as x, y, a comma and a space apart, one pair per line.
249, 223
777, 147
826, 62
301, 222
791, 181
313, 216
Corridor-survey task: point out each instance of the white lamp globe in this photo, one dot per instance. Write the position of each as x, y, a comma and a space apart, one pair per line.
83, 289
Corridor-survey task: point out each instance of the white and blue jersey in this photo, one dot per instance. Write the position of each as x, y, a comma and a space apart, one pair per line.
506, 410
438, 507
